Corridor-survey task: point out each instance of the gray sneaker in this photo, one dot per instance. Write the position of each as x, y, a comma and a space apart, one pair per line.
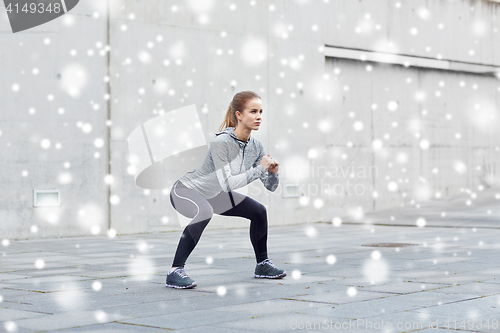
266, 269
179, 279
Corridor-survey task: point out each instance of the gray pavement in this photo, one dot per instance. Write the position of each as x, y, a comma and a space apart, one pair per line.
450, 279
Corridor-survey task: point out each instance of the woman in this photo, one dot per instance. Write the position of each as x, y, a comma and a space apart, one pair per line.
234, 159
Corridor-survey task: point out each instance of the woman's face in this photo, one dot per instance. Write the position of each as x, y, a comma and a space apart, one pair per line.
252, 116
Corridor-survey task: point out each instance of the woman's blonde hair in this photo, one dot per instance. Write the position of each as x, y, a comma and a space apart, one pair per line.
238, 103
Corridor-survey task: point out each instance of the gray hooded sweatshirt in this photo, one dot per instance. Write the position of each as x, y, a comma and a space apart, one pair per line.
230, 163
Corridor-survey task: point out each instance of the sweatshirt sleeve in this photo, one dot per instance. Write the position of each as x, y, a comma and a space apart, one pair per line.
222, 154
270, 180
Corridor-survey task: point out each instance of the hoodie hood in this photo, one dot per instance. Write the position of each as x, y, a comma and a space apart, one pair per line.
230, 132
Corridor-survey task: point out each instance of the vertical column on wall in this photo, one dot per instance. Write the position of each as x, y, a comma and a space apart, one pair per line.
268, 93
371, 141
108, 107
420, 87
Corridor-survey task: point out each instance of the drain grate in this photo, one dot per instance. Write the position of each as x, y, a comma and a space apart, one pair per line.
390, 244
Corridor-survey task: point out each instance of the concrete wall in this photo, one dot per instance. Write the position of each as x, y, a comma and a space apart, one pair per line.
48, 142
165, 55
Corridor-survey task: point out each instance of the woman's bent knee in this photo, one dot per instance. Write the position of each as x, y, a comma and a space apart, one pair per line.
260, 209
205, 213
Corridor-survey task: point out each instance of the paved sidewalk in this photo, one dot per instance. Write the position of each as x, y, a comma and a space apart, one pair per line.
100, 284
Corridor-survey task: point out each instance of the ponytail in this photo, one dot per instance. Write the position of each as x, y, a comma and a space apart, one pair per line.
229, 120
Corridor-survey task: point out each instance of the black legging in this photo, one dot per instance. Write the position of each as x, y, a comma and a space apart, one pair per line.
193, 205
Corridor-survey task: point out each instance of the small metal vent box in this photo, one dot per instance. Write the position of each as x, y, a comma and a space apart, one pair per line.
291, 191
46, 198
